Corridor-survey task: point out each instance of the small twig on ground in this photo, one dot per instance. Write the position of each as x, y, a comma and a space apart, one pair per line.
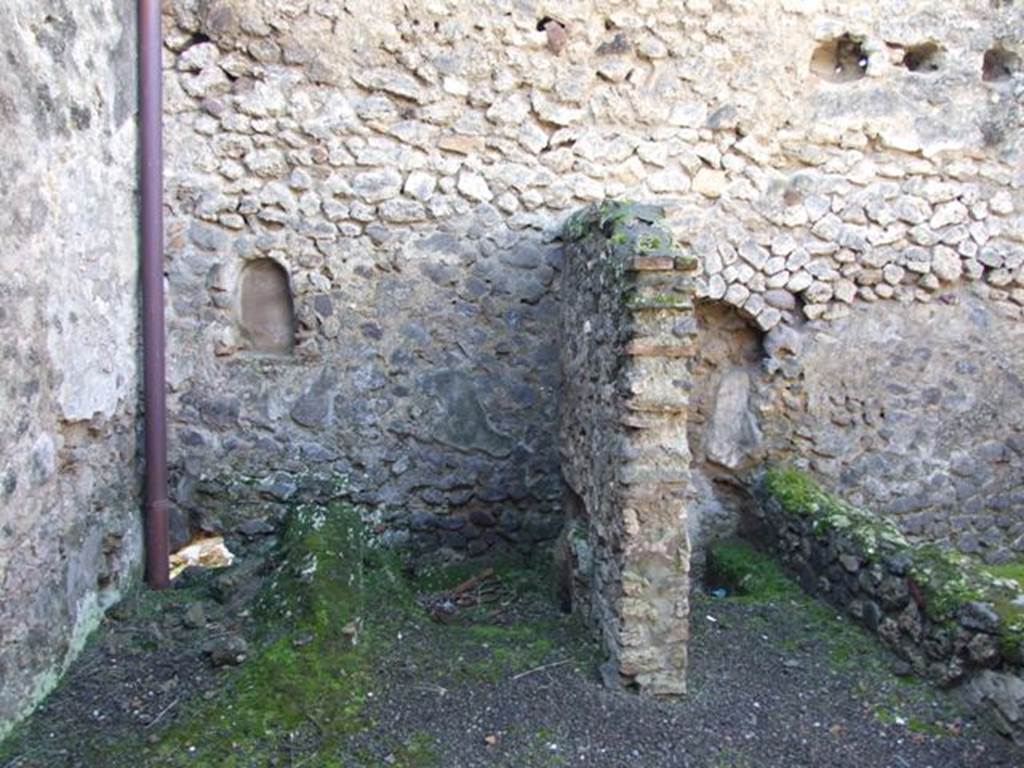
472, 581
315, 722
541, 668
163, 712
85, 669
433, 689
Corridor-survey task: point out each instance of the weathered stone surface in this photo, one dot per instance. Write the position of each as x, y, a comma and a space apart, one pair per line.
474, 187
1003, 696
921, 442
69, 386
412, 183
460, 420
733, 435
709, 183
375, 186
623, 445
409, 184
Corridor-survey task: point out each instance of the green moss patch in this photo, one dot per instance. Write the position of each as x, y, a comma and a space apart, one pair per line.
746, 572
1009, 571
331, 617
752, 576
612, 219
1010, 607
945, 580
305, 686
335, 632
801, 496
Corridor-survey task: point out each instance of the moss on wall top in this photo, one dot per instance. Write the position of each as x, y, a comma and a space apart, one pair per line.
610, 218
800, 495
947, 581
627, 228
613, 232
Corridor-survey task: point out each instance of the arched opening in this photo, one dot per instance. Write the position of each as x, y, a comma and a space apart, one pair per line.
266, 313
723, 432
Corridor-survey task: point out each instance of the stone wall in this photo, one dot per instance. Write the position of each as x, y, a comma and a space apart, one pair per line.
908, 409
422, 376
69, 490
363, 199
913, 413
407, 165
627, 333
946, 618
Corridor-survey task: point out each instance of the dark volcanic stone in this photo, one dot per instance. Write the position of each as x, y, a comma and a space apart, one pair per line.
979, 616
224, 651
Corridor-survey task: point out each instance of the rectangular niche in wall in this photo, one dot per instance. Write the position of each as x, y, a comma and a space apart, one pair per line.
266, 313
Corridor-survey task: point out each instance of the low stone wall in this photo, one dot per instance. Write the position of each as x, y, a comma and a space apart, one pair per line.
951, 621
627, 331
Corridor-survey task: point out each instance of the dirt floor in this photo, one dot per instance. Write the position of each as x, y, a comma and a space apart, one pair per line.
459, 667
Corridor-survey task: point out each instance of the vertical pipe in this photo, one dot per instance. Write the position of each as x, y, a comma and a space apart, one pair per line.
154, 378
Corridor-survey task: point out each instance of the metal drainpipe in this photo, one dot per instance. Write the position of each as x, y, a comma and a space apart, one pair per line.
154, 378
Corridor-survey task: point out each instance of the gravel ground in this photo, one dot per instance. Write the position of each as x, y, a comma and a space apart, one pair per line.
768, 689
512, 682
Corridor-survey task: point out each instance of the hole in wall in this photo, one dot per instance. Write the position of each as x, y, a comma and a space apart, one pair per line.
556, 31
196, 39
925, 58
992, 133
266, 311
728, 341
1000, 64
842, 60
